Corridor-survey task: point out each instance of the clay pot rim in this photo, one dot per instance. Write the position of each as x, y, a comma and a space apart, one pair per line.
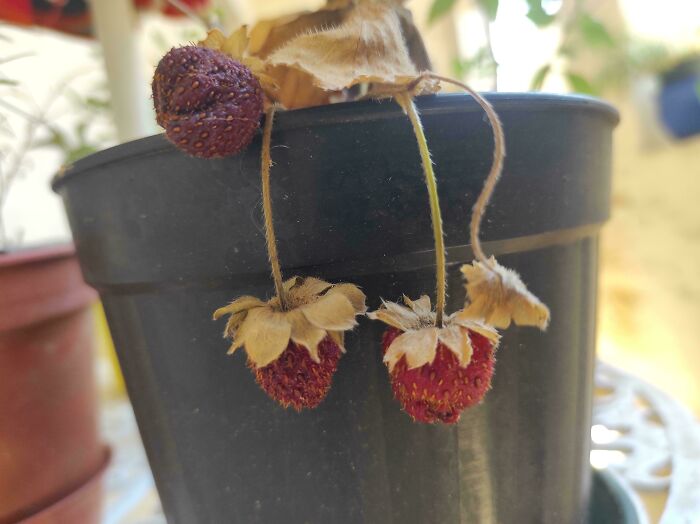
35, 254
43, 514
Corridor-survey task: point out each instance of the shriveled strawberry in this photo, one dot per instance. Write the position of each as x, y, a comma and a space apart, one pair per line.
436, 371
295, 380
294, 350
209, 104
441, 390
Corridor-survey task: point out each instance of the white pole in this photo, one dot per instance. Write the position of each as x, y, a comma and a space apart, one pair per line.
115, 23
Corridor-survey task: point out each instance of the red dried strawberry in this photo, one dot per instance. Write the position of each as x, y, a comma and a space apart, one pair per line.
295, 380
209, 104
441, 390
294, 350
436, 371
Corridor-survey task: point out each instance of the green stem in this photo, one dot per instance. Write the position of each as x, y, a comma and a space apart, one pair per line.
266, 164
406, 102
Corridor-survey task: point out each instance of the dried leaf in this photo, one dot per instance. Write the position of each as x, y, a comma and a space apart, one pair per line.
243, 303
267, 337
456, 339
418, 321
268, 35
499, 296
367, 47
356, 297
331, 312
307, 289
233, 323
397, 316
477, 326
420, 307
305, 334
419, 348
318, 309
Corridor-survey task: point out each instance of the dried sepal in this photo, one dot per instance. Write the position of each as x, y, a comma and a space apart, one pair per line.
498, 296
419, 340
317, 309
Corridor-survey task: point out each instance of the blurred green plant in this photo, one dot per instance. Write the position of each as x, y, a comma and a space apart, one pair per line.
581, 31
88, 127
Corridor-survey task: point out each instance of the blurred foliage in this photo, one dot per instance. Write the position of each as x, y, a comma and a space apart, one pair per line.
582, 32
87, 134
82, 125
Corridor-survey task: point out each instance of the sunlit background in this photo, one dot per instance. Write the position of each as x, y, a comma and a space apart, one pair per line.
616, 49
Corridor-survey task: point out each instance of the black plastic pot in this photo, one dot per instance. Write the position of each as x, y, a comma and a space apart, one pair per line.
166, 239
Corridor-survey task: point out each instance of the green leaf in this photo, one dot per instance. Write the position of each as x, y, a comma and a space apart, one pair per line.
594, 32
540, 76
79, 152
8, 82
579, 84
481, 63
489, 7
439, 9
96, 103
537, 14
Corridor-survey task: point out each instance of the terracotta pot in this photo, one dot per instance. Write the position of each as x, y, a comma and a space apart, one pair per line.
49, 443
81, 506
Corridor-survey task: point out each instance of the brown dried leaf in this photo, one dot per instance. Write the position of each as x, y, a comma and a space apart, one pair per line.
267, 337
396, 316
318, 309
499, 296
456, 339
268, 35
418, 346
477, 325
305, 334
367, 47
356, 297
243, 303
332, 312
421, 307
307, 289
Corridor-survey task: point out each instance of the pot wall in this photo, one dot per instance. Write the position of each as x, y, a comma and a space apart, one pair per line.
166, 239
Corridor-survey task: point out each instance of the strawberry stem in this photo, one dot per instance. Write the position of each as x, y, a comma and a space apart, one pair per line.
406, 102
266, 162
499, 153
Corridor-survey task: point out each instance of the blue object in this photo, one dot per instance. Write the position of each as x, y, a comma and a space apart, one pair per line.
679, 100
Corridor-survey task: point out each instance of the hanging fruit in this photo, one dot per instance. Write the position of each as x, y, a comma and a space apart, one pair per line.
439, 363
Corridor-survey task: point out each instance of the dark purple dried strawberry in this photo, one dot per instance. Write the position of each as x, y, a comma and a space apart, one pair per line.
209, 104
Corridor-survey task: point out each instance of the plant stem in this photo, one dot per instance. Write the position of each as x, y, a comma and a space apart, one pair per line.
266, 164
406, 102
499, 153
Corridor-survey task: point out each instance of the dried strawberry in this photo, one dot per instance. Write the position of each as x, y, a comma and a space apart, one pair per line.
295, 380
441, 390
294, 350
209, 104
436, 371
